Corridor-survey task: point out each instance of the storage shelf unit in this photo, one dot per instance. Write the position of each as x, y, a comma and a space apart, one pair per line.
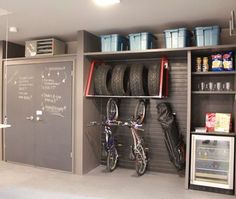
202, 102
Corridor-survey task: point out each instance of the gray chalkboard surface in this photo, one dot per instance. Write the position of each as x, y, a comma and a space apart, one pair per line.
39, 107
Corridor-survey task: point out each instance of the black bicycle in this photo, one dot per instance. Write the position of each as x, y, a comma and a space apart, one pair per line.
110, 145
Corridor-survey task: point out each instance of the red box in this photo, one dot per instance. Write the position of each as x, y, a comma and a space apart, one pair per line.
210, 121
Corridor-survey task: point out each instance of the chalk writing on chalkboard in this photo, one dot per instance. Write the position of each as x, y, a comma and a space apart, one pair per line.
52, 79
54, 110
13, 77
25, 87
56, 74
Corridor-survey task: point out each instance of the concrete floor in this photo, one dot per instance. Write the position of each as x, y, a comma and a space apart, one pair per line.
23, 182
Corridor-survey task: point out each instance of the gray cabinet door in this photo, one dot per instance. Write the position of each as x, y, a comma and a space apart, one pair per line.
40, 114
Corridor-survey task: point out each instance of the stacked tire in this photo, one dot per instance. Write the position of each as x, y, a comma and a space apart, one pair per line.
125, 80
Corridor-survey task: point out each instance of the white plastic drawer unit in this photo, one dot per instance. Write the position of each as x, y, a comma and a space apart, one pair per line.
212, 161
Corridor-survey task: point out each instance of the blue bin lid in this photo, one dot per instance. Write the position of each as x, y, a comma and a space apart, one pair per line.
142, 33
207, 27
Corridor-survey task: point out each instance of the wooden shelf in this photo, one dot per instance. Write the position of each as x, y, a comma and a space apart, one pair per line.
146, 54
127, 97
156, 53
214, 92
215, 73
215, 133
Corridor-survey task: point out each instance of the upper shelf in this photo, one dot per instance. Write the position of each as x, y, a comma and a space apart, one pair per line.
156, 53
215, 73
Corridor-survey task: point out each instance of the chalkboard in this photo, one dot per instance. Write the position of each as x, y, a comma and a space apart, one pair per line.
39, 107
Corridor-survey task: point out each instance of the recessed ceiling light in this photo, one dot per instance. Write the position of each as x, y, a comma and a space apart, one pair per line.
106, 2
13, 29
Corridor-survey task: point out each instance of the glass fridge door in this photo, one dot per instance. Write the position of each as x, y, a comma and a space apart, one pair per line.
212, 162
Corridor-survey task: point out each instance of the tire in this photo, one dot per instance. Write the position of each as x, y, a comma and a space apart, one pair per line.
112, 158
138, 80
140, 162
154, 80
140, 111
119, 80
102, 79
112, 110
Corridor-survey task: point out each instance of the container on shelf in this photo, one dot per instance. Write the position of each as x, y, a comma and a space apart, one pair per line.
177, 38
142, 41
113, 42
207, 36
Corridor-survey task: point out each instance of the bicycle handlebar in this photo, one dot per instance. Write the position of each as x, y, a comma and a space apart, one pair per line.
130, 124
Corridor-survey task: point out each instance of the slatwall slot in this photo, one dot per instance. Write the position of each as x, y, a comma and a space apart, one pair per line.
153, 134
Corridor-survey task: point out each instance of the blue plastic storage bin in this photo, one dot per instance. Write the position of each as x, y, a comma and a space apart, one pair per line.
142, 41
113, 42
207, 36
177, 38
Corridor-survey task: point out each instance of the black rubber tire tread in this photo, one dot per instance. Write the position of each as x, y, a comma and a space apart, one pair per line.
119, 80
112, 114
154, 80
137, 80
112, 158
140, 108
102, 79
140, 162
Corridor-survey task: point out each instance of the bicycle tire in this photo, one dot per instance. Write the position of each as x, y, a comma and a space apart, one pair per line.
140, 162
154, 80
119, 80
112, 158
140, 111
102, 79
112, 111
138, 80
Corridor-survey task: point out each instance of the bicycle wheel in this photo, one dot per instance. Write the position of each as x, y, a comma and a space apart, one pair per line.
141, 161
112, 158
140, 110
112, 109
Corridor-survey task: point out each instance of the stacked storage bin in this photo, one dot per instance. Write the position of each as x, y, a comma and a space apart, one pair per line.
177, 38
142, 41
207, 36
114, 42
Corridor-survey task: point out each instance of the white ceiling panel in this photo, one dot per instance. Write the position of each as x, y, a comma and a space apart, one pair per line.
63, 18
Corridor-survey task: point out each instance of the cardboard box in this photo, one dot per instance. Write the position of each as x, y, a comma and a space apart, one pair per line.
218, 122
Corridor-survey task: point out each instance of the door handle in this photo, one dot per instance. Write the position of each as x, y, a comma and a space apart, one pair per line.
30, 118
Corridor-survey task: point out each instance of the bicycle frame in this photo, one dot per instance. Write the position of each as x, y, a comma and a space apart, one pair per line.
109, 138
137, 141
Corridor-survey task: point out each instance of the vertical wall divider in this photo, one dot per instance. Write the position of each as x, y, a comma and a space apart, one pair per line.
188, 136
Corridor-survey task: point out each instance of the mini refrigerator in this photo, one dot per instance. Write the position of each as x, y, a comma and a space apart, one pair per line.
212, 163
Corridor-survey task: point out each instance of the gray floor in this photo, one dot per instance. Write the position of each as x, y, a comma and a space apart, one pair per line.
23, 182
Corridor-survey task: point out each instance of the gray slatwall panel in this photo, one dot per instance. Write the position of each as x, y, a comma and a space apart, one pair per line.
153, 135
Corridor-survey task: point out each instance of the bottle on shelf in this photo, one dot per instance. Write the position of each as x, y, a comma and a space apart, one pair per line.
198, 66
205, 65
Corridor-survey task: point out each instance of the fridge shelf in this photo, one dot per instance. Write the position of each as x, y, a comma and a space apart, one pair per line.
202, 159
215, 170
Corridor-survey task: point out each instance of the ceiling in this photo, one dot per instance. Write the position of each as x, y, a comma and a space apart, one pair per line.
63, 18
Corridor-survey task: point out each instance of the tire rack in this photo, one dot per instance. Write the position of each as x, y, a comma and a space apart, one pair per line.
164, 77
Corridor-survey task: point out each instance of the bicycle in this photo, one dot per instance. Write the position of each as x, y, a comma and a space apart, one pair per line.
110, 145
138, 152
